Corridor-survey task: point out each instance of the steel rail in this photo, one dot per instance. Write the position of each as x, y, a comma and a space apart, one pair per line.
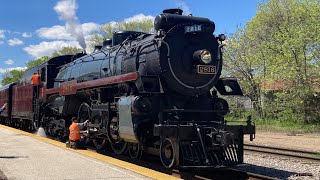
283, 149
283, 152
260, 177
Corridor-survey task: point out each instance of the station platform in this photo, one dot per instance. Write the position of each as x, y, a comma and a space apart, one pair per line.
27, 156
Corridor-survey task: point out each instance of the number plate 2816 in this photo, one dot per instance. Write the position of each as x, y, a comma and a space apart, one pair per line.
205, 69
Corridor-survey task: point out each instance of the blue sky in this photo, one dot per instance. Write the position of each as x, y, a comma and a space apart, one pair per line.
30, 29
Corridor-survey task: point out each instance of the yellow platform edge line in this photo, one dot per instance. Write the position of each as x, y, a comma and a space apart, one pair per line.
123, 164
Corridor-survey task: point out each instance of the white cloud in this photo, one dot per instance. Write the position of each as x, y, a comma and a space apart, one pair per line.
26, 35
47, 48
138, 17
9, 62
182, 5
89, 28
14, 42
2, 36
58, 32
3, 70
54, 32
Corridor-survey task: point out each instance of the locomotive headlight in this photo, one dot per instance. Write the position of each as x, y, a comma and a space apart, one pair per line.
205, 56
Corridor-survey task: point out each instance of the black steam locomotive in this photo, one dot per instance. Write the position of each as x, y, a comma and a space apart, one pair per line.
147, 93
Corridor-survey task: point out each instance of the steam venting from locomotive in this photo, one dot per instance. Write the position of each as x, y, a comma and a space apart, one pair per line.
66, 10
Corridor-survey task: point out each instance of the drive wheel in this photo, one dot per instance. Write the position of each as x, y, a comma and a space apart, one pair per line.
167, 154
84, 112
135, 150
100, 143
118, 145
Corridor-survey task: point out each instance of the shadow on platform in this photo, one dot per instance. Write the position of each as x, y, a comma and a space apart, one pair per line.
267, 171
12, 157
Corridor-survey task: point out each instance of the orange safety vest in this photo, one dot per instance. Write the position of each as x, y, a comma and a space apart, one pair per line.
35, 80
74, 132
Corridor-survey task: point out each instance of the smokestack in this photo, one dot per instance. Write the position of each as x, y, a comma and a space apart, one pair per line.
66, 10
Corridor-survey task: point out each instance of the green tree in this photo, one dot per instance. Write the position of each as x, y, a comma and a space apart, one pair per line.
11, 76
66, 51
108, 29
241, 63
36, 62
14, 75
281, 43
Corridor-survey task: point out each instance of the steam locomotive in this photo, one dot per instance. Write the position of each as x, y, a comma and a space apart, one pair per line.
142, 93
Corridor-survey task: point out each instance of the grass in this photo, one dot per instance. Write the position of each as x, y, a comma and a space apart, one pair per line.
291, 127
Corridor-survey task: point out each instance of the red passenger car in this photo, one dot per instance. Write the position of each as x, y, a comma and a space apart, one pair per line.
23, 108
6, 98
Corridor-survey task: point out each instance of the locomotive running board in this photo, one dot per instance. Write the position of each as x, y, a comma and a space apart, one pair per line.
71, 87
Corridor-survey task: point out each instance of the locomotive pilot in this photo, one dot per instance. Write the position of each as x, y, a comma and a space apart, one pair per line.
75, 139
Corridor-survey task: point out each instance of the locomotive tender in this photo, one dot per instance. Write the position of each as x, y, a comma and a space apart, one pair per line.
141, 93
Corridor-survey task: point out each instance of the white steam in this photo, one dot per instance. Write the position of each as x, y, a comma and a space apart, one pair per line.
66, 10
183, 5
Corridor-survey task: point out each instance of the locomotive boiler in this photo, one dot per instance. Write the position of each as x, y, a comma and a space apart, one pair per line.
148, 93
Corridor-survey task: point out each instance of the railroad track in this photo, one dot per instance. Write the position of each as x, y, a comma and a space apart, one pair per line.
302, 154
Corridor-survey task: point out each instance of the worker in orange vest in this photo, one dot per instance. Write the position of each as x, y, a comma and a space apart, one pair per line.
35, 81
75, 140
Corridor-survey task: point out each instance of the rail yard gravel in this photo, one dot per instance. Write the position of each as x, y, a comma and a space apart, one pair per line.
280, 167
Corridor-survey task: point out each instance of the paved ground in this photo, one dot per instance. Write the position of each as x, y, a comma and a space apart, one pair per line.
310, 142
23, 157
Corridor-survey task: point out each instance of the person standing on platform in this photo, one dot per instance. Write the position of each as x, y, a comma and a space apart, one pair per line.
75, 140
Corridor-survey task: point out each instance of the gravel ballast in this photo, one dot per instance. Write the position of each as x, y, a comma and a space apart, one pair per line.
280, 167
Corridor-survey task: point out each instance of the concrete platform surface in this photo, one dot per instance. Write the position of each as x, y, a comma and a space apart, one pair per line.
25, 157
